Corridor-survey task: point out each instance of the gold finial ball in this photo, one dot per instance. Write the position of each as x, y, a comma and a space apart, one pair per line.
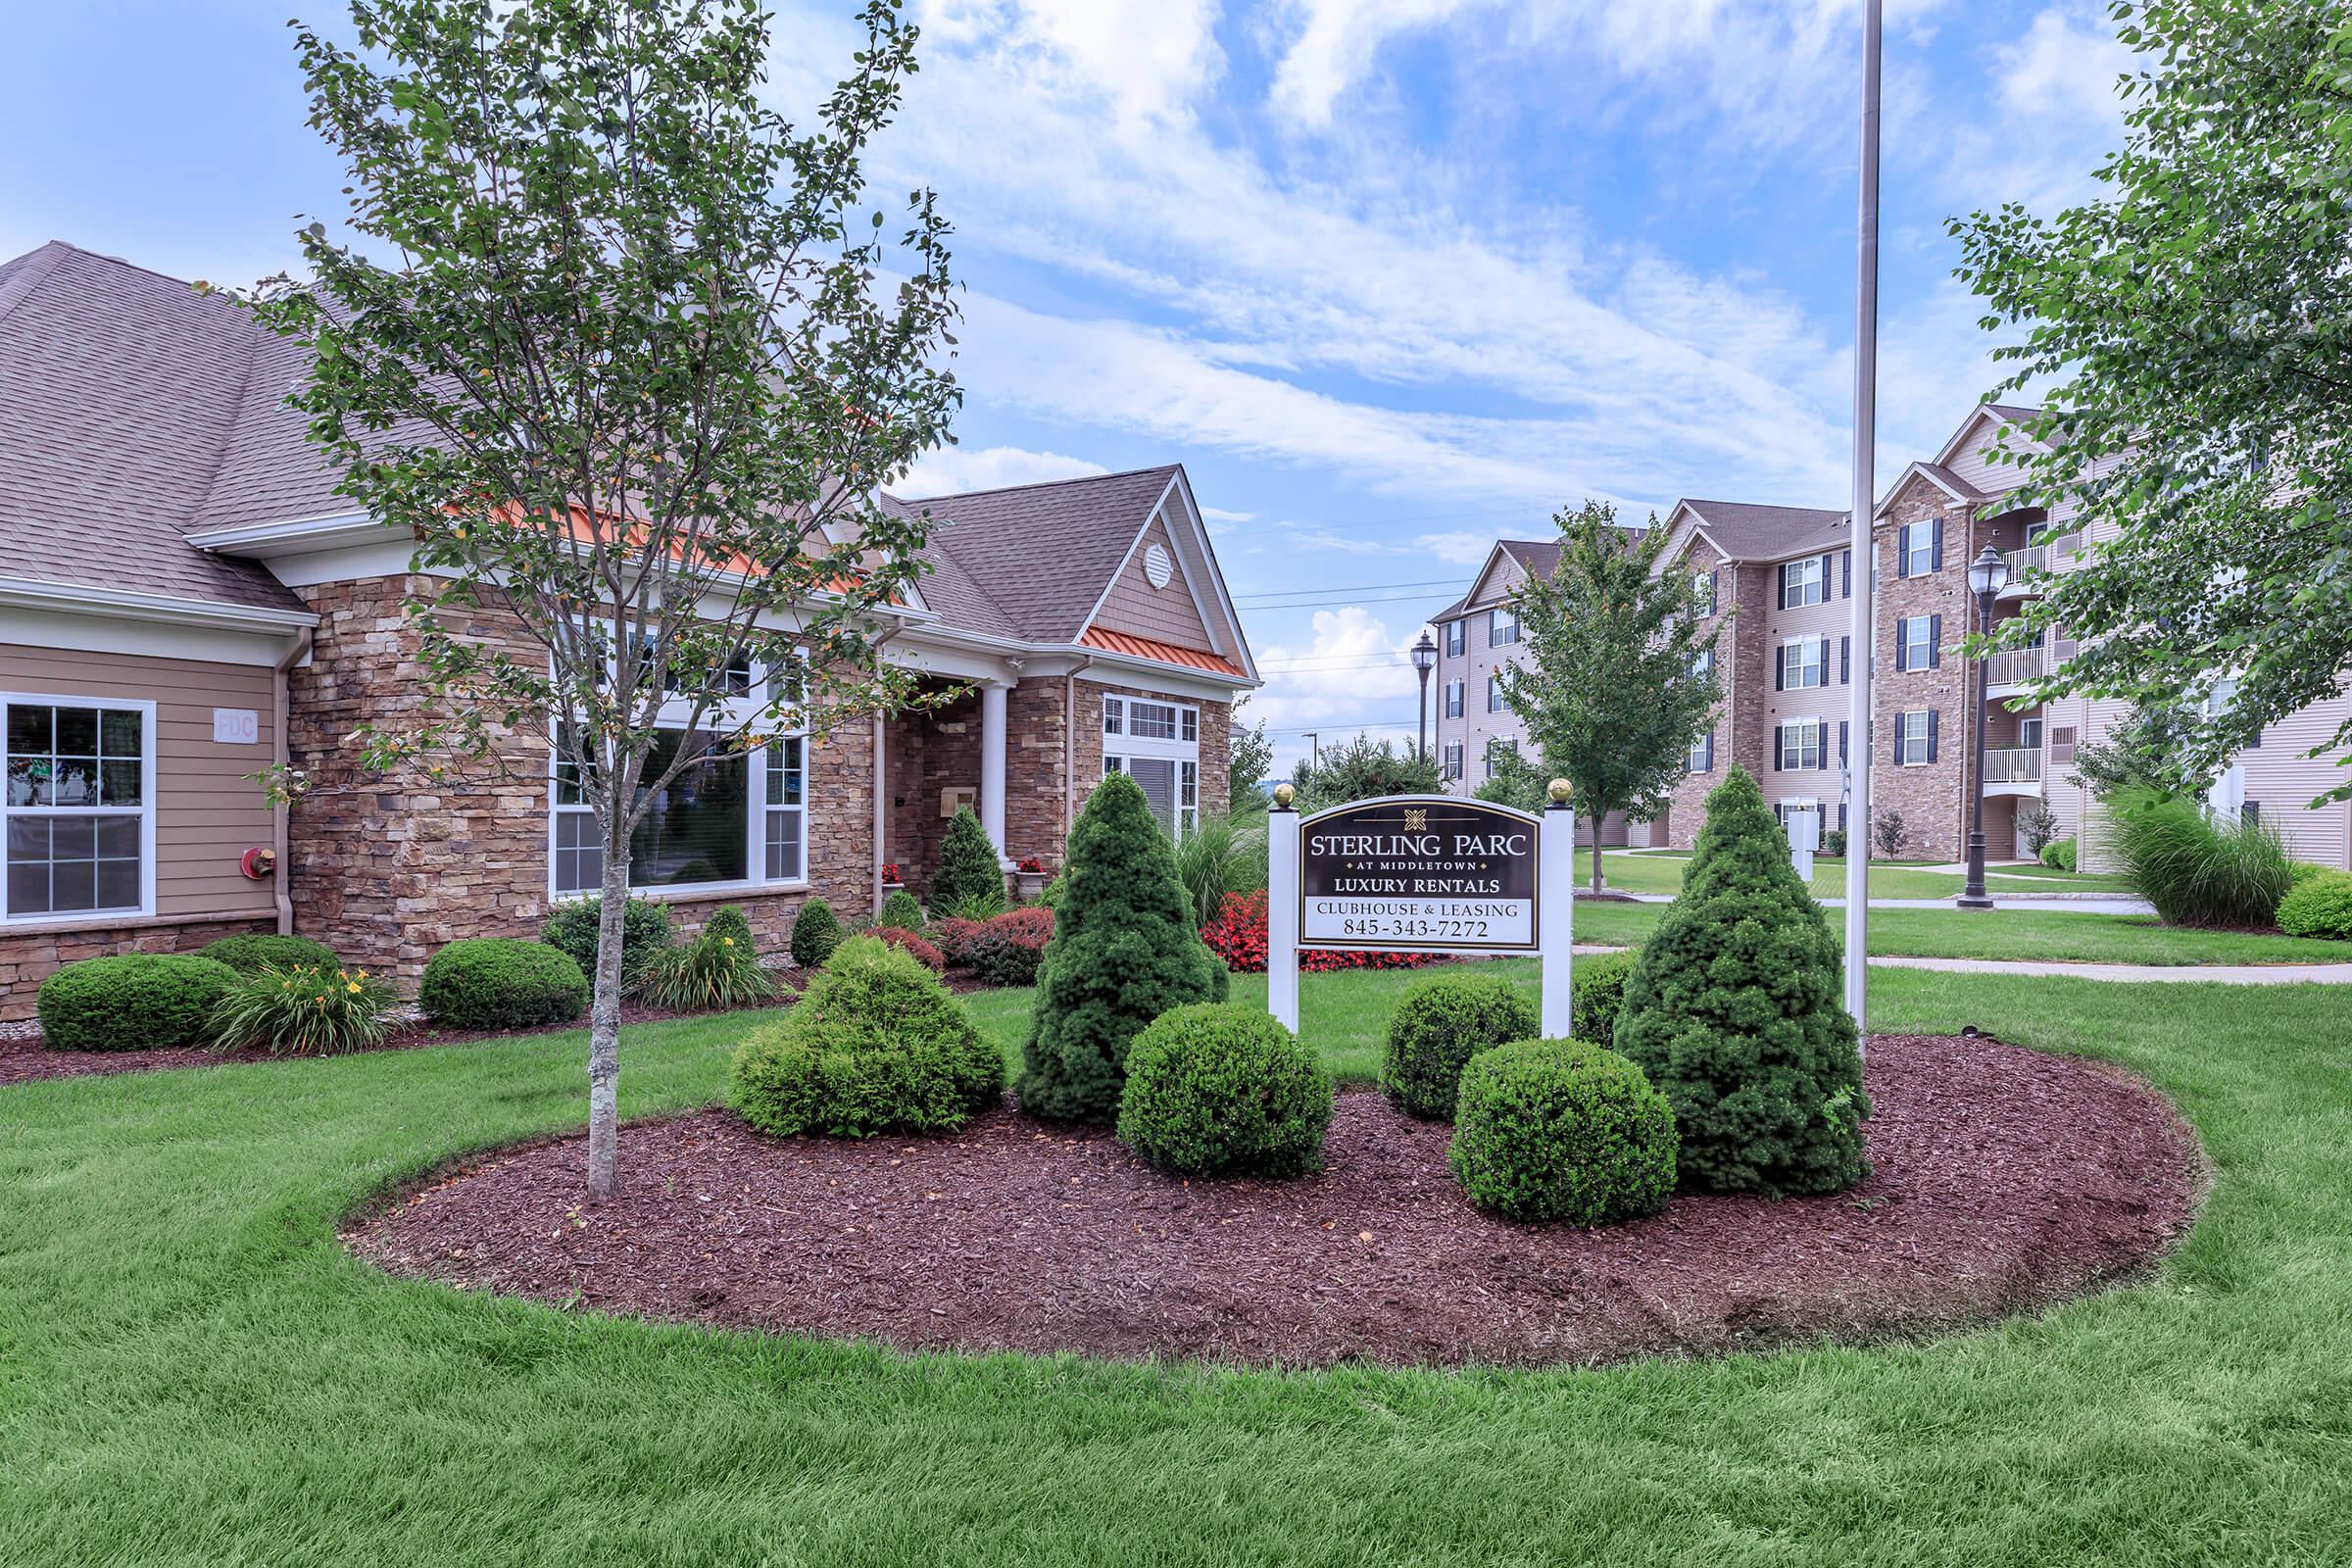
1559, 791
1284, 795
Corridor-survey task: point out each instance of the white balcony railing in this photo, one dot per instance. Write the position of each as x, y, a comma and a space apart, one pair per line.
2015, 666
2050, 555
2013, 765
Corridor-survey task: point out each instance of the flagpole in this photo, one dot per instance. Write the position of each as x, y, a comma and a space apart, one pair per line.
1860, 752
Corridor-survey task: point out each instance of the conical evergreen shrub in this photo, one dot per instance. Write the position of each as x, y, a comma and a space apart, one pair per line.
1123, 953
970, 880
1734, 1012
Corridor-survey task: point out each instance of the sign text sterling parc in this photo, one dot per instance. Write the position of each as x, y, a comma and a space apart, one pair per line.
1419, 874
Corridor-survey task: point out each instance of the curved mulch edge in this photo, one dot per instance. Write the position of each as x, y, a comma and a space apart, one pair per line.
2004, 1180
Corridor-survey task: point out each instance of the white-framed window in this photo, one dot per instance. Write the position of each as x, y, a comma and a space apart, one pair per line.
1454, 639
1914, 642
1702, 753
1503, 626
1703, 589
77, 810
1915, 547
1451, 756
1456, 695
1911, 740
1704, 665
2029, 733
1493, 694
1804, 582
1496, 749
735, 816
1144, 719
1800, 744
1804, 663
1158, 746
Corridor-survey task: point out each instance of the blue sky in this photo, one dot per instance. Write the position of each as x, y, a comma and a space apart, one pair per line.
1391, 278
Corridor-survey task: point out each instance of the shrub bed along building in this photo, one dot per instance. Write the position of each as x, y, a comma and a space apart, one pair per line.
502, 983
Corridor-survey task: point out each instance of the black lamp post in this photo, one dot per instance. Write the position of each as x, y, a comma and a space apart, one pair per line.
1424, 660
1988, 576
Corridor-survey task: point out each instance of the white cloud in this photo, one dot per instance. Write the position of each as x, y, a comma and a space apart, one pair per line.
1457, 548
1351, 669
2066, 65
954, 470
1335, 46
1147, 58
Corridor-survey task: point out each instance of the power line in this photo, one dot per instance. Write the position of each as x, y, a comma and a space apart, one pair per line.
1359, 588
1341, 604
1329, 728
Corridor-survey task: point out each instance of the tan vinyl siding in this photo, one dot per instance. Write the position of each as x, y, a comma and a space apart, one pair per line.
1165, 615
208, 812
2285, 780
1973, 466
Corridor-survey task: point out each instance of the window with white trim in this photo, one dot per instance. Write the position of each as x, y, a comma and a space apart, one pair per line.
1502, 627
1702, 592
1497, 750
1702, 753
1800, 744
1493, 694
1915, 546
1804, 663
77, 808
1911, 740
1454, 639
1158, 746
1804, 582
1915, 635
1702, 664
1452, 754
1456, 694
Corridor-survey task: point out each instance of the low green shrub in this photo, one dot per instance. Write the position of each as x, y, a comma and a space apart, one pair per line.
303, 1010
874, 1045
571, 927
1008, 948
1216, 1090
502, 983
2194, 871
718, 970
815, 933
1832, 843
900, 911
247, 954
2318, 906
2059, 855
1563, 1130
2299, 873
1437, 1026
1597, 989
133, 1002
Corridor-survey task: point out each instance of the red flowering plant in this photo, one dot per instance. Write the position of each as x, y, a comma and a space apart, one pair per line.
1031, 863
890, 871
1237, 934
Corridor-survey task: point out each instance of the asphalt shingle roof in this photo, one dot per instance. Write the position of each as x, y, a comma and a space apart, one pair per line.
1750, 532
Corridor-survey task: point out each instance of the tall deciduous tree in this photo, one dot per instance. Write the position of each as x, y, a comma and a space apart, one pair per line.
1618, 681
2193, 332
629, 371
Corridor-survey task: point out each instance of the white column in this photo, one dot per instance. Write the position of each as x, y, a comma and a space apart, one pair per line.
1555, 912
1281, 917
991, 764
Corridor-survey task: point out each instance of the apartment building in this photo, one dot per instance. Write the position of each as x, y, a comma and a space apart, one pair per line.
1780, 580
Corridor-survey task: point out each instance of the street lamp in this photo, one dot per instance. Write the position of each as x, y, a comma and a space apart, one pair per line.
1988, 576
1314, 752
1424, 660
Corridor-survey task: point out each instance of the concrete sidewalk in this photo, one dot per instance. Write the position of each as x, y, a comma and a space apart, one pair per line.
2065, 904
2227, 975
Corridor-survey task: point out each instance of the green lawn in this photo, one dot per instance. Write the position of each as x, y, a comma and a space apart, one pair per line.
2046, 936
1652, 871
193, 1371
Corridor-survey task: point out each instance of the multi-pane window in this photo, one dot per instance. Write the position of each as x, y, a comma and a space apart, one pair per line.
1702, 753
1497, 751
1800, 744
1453, 757
2029, 733
1804, 663
1454, 693
1159, 748
1914, 642
1502, 627
1188, 797
1493, 694
76, 808
1804, 582
1702, 591
1911, 746
1915, 543
1704, 665
787, 831
696, 826
1150, 722
1454, 639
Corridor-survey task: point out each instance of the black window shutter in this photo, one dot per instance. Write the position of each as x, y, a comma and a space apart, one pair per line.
1845, 661
1780, 670
1845, 557
1824, 661
1894, 740
1829, 573
1935, 640
1842, 756
1935, 548
1714, 590
1902, 646
1776, 747
1932, 714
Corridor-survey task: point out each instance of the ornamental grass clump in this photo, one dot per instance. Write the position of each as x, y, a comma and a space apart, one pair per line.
1437, 1026
502, 983
718, 970
970, 880
1123, 953
133, 1002
1563, 1130
1214, 1089
2193, 871
1734, 1012
303, 1010
247, 954
874, 1045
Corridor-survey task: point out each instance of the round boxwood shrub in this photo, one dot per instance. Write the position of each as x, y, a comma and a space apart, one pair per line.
502, 983
644, 932
1597, 989
2318, 906
815, 933
1563, 1130
1438, 1027
1214, 1089
874, 1045
900, 911
247, 954
133, 1002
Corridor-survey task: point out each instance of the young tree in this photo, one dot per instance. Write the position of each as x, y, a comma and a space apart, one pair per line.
971, 881
1619, 681
2147, 751
1515, 782
2188, 333
627, 376
1248, 762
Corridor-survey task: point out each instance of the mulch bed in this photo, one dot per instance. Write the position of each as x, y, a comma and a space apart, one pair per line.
2003, 1179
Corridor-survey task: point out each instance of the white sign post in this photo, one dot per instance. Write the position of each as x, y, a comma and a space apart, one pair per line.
1421, 873
1804, 837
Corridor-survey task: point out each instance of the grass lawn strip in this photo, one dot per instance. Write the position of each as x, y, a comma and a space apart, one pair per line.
193, 1370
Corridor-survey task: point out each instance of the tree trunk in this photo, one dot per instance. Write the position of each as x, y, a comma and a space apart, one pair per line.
1597, 879
604, 1021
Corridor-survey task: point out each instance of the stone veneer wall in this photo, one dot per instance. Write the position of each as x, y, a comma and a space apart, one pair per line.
1744, 664
1216, 742
927, 754
1037, 771
1932, 797
28, 957
1687, 803
386, 872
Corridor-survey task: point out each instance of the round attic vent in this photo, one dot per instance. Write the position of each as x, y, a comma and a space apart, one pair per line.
1157, 568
